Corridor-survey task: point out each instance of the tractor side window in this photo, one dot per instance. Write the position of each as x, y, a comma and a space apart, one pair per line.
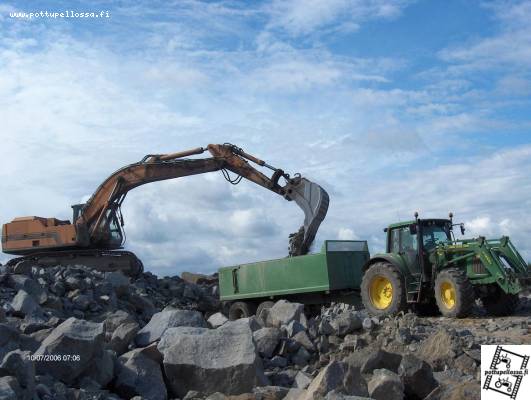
408, 242
395, 241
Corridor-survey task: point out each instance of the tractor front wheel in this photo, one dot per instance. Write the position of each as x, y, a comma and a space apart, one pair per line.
383, 290
454, 293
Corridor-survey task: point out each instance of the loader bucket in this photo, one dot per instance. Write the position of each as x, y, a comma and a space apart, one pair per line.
313, 200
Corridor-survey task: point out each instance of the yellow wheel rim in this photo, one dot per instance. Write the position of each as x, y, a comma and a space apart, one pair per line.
381, 292
448, 295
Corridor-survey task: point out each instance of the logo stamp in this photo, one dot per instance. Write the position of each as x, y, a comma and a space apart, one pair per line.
504, 372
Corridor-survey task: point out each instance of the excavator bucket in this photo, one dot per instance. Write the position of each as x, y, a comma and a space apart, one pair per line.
313, 200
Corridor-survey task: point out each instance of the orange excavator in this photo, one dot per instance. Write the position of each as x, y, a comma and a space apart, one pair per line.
96, 237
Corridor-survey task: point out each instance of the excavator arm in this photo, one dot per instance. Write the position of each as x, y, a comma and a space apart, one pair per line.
97, 222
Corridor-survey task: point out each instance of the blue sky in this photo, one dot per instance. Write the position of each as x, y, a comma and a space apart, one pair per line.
393, 106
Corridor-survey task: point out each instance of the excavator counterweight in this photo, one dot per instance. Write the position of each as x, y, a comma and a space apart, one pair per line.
97, 228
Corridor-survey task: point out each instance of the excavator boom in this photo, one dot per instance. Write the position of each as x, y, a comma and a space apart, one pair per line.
98, 223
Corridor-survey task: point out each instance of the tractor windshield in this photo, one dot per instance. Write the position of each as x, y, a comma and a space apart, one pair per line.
434, 233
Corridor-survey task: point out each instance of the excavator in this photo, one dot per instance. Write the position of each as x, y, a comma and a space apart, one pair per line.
95, 237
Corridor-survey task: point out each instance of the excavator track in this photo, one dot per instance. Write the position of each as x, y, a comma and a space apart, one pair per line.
101, 260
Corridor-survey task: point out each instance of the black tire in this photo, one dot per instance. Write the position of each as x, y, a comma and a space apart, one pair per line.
390, 304
454, 293
265, 305
240, 309
500, 304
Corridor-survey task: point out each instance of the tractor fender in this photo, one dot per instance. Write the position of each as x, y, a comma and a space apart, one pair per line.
392, 258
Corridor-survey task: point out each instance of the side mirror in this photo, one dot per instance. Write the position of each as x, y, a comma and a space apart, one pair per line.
413, 229
462, 226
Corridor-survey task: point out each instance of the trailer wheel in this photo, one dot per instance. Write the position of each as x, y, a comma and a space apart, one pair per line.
500, 303
240, 309
454, 293
265, 305
383, 290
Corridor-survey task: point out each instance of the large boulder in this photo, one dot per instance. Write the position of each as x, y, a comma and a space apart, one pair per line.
330, 378
381, 359
139, 375
385, 385
283, 312
208, 361
266, 340
417, 377
122, 336
72, 346
163, 320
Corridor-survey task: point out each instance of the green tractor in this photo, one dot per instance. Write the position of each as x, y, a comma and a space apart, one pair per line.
425, 266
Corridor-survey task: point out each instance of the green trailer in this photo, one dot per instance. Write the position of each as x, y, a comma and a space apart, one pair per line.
333, 274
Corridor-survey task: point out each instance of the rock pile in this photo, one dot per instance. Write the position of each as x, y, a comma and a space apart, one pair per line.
75, 333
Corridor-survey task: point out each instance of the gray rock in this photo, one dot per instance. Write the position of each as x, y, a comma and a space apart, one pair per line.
301, 357
302, 380
417, 376
74, 339
403, 336
295, 394
118, 281
346, 322
330, 378
117, 318
139, 375
22, 282
23, 303
11, 339
270, 392
122, 336
102, 369
266, 340
302, 339
381, 359
325, 328
386, 385
336, 395
221, 360
17, 363
353, 382
367, 324
171, 335
9, 388
2, 315
163, 320
283, 312
217, 319
293, 328
278, 362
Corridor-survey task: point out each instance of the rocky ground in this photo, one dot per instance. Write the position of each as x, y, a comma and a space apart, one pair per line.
75, 333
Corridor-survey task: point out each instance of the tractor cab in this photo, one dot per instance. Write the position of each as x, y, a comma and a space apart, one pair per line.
414, 241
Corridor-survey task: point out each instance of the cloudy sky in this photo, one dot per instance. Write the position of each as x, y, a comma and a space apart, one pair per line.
392, 106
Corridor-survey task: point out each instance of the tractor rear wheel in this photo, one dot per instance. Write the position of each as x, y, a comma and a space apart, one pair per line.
240, 309
383, 289
500, 304
454, 293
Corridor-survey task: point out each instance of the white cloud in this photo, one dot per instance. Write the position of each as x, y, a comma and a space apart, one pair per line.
303, 17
